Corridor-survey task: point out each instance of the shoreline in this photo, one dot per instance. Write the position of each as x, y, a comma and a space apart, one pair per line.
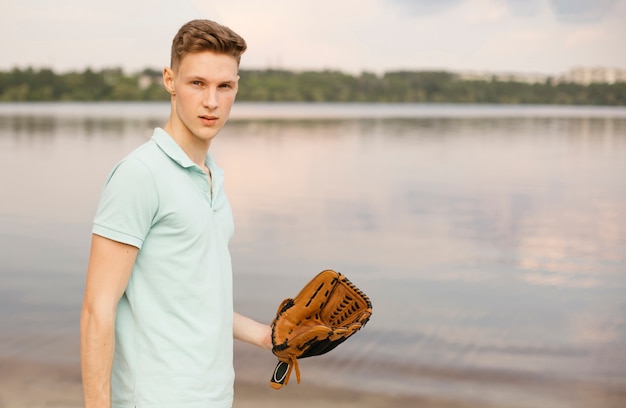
28, 384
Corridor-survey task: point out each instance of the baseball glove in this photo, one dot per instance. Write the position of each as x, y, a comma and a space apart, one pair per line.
327, 311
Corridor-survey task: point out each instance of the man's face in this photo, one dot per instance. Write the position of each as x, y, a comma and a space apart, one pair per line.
204, 87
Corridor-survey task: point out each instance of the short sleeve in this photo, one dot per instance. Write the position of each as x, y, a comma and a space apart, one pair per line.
128, 204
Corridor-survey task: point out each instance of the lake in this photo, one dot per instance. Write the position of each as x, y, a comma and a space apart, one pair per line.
491, 239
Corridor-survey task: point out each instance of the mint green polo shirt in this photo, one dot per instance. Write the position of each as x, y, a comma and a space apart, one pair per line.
174, 334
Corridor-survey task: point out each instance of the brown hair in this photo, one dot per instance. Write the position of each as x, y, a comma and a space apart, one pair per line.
206, 35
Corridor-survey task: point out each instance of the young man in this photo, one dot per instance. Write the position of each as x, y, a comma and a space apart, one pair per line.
157, 322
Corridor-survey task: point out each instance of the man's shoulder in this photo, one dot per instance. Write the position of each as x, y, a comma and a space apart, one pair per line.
136, 167
148, 156
146, 152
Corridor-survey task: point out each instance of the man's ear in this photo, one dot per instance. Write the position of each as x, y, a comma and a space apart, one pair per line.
168, 81
237, 84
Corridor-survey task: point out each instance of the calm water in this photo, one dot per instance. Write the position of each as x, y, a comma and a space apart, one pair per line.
492, 240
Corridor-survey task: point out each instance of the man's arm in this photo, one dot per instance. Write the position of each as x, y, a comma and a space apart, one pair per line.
110, 266
252, 332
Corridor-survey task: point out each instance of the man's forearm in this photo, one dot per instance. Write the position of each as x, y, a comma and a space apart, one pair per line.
251, 331
97, 344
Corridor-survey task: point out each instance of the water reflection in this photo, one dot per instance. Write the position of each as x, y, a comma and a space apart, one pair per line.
497, 241
21, 127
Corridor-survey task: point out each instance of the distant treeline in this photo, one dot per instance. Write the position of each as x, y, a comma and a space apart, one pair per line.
20, 85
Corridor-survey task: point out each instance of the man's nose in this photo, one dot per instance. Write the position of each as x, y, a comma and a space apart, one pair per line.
210, 98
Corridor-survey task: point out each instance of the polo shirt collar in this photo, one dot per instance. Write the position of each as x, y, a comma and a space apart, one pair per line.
169, 146
173, 150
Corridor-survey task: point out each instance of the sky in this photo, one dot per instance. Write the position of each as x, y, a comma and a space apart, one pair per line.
517, 36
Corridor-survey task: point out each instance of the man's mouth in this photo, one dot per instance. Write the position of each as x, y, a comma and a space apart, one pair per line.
208, 119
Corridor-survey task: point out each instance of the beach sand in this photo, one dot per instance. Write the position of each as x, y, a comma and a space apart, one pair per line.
27, 384
34, 384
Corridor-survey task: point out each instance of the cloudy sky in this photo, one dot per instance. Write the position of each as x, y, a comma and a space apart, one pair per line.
534, 36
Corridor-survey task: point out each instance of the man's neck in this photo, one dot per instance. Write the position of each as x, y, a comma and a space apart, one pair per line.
195, 148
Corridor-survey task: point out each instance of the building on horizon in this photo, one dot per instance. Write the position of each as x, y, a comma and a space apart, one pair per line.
579, 75
589, 75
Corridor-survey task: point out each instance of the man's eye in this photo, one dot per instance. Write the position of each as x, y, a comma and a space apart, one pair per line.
196, 83
226, 86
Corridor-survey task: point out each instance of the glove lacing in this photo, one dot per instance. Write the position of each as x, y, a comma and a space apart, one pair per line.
293, 363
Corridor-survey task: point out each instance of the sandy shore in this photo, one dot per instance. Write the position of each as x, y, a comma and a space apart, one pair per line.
33, 385
257, 395
25, 384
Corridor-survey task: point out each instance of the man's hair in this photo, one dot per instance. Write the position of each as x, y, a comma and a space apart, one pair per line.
206, 35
